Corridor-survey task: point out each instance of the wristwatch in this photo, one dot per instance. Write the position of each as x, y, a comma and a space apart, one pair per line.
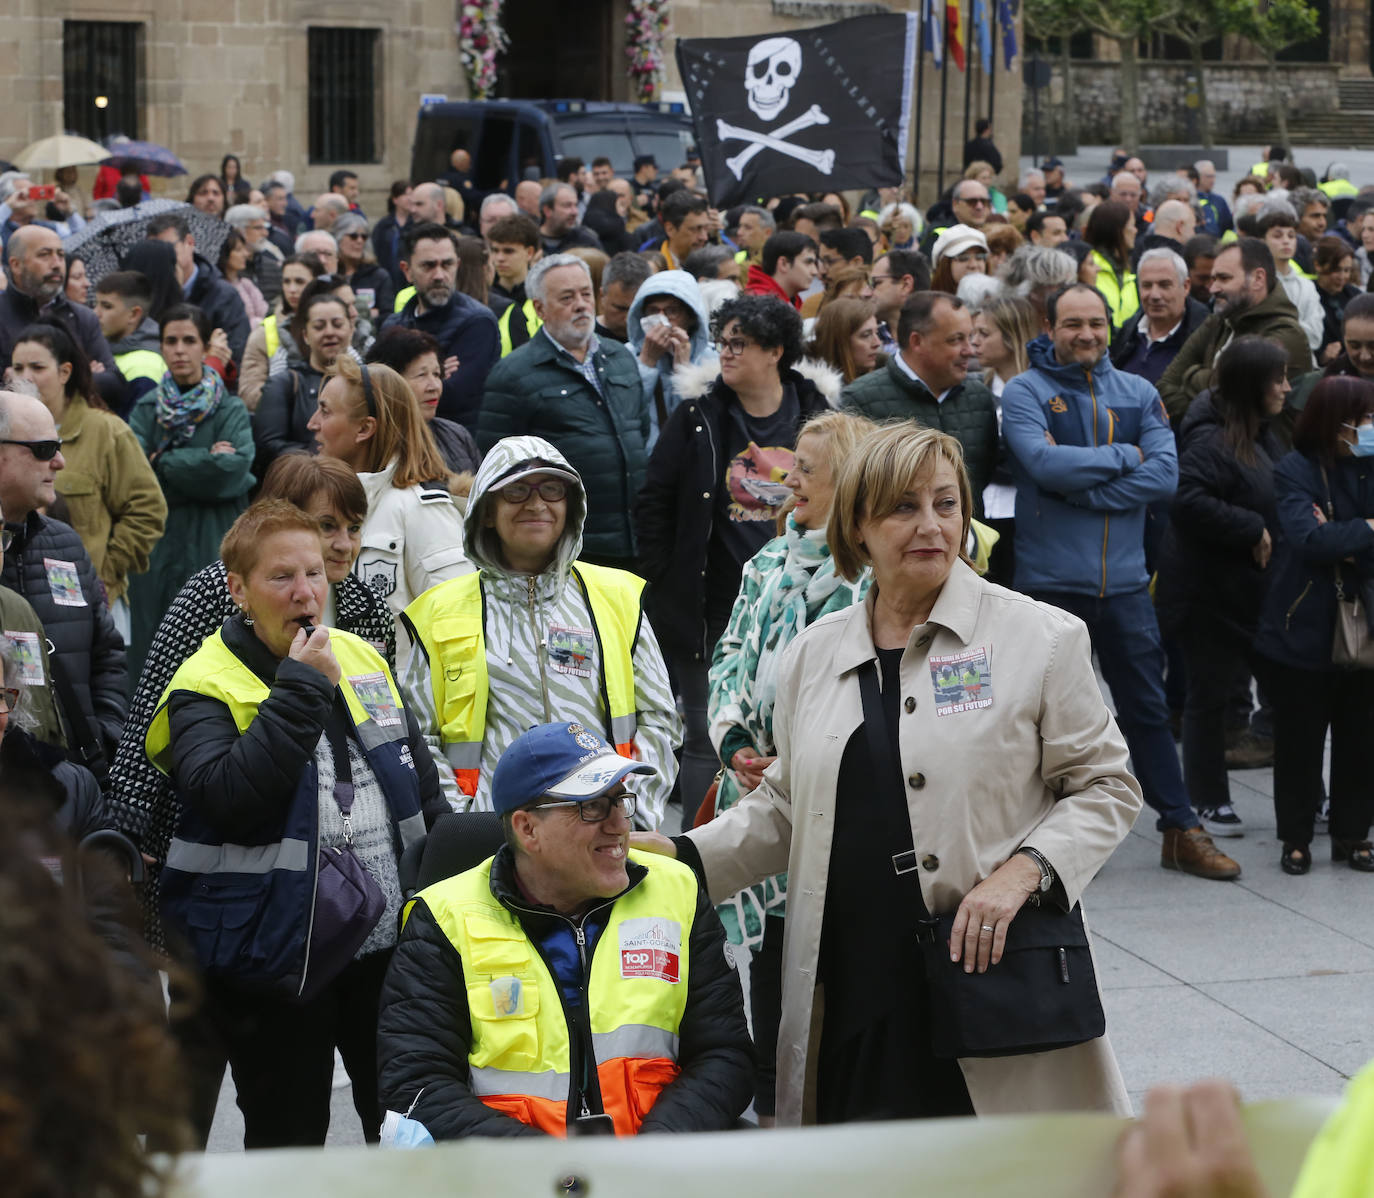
1046, 869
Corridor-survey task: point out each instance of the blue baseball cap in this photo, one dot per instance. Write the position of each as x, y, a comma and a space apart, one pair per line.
561, 761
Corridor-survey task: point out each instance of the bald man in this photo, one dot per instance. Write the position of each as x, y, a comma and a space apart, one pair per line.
322, 245
1174, 225
427, 206
328, 208
527, 193
38, 271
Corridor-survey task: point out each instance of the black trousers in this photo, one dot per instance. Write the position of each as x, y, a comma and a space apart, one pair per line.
1214, 655
282, 1056
765, 1009
1306, 704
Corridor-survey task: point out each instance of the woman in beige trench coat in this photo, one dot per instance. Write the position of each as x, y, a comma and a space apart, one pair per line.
1004, 744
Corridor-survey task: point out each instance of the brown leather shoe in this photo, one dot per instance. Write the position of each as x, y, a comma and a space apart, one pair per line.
1192, 852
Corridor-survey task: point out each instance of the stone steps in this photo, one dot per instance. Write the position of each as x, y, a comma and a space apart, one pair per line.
1357, 95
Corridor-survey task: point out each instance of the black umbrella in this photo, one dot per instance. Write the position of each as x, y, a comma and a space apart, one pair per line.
103, 242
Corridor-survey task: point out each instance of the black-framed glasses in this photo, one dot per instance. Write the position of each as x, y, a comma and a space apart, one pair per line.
976, 201
44, 451
9, 699
594, 811
551, 490
735, 346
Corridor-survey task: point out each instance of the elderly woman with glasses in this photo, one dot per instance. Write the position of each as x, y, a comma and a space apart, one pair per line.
369, 281
715, 485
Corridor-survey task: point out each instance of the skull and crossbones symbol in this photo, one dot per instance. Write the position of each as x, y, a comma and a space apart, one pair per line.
772, 70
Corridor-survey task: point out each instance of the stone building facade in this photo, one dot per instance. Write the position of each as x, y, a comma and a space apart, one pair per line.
209, 77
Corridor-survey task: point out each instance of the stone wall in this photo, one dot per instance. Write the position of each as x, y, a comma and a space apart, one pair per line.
1239, 98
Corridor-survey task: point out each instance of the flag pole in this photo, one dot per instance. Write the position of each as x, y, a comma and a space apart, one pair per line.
944, 82
968, 85
920, 95
992, 66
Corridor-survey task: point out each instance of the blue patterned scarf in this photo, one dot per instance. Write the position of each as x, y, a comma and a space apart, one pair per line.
179, 412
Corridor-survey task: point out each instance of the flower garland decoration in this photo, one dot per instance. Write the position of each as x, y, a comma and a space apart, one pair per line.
646, 26
480, 40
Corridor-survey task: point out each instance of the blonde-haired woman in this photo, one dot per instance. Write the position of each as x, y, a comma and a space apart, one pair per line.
787, 585
368, 418
943, 755
1002, 328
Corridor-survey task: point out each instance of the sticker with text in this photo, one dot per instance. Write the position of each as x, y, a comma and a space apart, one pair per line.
28, 655
962, 681
650, 948
376, 698
64, 583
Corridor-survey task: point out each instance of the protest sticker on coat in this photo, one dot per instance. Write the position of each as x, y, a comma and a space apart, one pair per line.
650, 948
571, 650
821, 109
64, 583
962, 681
374, 694
28, 655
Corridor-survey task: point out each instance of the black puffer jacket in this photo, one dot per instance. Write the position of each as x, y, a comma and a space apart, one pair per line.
677, 506
465, 330
81, 635
18, 311
457, 446
1207, 569
288, 401
222, 306
424, 1030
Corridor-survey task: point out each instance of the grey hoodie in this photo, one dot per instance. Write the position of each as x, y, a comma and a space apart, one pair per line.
525, 618
144, 337
681, 286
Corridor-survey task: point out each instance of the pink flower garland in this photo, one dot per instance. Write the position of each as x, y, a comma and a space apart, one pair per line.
646, 26
480, 40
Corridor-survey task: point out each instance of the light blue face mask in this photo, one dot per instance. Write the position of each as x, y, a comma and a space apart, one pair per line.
400, 1131
1363, 445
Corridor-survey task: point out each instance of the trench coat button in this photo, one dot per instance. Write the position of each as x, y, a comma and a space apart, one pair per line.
930, 862
916, 781
910, 705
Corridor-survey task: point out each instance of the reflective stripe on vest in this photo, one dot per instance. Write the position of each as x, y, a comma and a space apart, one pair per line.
448, 620
403, 297
532, 324
520, 1055
270, 334
141, 364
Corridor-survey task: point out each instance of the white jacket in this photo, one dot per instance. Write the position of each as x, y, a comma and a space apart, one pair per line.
412, 539
1303, 292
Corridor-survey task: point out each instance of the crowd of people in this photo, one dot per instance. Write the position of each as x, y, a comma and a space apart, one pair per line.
505, 502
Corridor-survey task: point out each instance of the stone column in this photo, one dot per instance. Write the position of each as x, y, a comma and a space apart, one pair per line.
1350, 30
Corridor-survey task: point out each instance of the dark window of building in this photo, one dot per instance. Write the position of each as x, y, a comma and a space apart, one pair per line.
1080, 45
344, 95
102, 83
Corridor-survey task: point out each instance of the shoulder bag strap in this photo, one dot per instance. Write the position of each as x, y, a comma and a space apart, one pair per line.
343, 767
1331, 516
888, 776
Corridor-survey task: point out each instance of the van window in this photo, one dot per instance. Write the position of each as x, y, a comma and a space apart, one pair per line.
588, 144
493, 154
436, 137
669, 147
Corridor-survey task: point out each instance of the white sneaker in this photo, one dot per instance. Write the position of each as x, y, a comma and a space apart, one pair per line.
1221, 821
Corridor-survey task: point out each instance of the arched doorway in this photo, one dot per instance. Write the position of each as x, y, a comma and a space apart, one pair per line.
558, 50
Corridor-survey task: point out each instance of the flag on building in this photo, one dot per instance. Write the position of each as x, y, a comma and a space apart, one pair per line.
1006, 18
933, 30
819, 110
954, 16
982, 33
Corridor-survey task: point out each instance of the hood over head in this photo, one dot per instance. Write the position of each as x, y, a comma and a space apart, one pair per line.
508, 460
681, 286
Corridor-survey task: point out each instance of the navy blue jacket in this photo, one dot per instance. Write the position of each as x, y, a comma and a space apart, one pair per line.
466, 330
1133, 352
1080, 502
1299, 617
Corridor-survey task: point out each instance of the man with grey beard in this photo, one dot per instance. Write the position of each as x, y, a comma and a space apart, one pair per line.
37, 269
469, 342
582, 393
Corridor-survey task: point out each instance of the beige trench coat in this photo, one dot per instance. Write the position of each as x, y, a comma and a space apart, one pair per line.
1043, 764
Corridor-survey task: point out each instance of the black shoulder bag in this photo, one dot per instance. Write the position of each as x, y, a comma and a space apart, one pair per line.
1042, 994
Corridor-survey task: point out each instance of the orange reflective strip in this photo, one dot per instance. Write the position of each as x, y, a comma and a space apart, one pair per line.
543, 1113
467, 781
628, 750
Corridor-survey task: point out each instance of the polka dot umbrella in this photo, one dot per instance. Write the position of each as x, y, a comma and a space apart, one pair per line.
101, 245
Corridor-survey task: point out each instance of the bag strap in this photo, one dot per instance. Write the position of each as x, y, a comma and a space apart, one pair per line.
343, 767
88, 747
1331, 516
888, 775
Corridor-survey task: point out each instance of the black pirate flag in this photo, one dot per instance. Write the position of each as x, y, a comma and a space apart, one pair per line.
817, 110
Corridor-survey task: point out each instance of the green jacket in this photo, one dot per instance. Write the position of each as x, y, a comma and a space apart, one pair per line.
21, 631
537, 390
205, 493
1273, 318
968, 414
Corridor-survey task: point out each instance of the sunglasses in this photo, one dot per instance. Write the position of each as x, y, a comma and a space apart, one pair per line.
44, 451
595, 811
551, 490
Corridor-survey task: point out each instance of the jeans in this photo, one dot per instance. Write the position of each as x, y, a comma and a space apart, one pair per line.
1125, 636
1306, 704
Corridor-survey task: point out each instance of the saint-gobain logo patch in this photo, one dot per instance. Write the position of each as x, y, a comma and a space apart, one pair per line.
650, 948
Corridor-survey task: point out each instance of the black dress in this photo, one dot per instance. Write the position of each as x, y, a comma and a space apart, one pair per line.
875, 1060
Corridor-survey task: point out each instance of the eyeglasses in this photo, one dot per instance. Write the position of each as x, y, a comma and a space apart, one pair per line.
975, 201
356, 236
44, 451
551, 490
9, 699
735, 346
595, 811
972, 256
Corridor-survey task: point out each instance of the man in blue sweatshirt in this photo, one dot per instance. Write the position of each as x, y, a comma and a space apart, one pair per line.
1090, 449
